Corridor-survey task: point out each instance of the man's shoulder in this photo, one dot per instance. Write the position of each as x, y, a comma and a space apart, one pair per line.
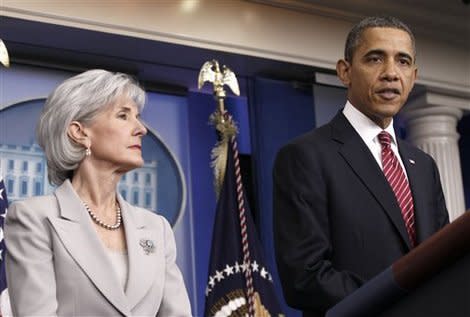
316, 136
415, 153
412, 149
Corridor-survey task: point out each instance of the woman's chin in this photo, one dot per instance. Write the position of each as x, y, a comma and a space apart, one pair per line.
129, 166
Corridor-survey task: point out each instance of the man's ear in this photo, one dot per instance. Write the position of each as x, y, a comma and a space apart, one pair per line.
77, 134
343, 69
415, 74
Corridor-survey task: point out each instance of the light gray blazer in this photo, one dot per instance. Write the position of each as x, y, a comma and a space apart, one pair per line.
57, 265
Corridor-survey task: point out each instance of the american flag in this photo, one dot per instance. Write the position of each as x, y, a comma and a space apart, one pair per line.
240, 284
4, 300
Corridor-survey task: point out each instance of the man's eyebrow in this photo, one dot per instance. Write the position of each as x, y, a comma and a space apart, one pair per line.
375, 52
382, 53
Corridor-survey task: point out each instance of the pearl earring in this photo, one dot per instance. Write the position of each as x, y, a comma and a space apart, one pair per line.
87, 151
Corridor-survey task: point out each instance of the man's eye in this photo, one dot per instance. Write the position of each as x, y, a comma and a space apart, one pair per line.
122, 116
374, 59
404, 61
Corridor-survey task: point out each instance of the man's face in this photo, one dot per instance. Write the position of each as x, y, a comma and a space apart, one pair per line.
381, 74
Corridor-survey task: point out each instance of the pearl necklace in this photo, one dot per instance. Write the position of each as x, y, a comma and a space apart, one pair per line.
101, 223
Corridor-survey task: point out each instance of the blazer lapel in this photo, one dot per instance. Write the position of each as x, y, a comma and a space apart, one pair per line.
143, 261
424, 227
78, 236
358, 156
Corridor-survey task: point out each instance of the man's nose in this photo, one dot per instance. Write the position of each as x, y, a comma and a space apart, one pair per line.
390, 72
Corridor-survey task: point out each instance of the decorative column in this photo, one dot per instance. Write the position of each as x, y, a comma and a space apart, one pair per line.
432, 126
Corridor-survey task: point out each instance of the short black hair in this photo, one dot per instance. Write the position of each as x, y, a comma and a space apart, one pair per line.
355, 35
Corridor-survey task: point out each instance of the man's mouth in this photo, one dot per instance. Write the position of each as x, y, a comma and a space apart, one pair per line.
388, 93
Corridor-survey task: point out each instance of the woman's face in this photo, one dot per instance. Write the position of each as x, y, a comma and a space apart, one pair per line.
116, 136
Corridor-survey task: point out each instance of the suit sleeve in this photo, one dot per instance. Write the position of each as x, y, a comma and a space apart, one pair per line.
442, 216
175, 301
301, 233
29, 262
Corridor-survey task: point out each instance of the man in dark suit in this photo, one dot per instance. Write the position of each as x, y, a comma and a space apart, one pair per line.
349, 197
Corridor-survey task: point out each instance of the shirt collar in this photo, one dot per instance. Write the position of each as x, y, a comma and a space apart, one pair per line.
367, 129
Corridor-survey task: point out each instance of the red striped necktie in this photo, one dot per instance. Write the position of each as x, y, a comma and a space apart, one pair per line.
396, 177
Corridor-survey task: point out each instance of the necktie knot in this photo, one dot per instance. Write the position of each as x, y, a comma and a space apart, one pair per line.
385, 139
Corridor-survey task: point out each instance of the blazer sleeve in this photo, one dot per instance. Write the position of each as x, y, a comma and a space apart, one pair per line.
175, 301
29, 262
301, 233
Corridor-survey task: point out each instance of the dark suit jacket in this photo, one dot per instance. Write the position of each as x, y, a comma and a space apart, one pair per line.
337, 222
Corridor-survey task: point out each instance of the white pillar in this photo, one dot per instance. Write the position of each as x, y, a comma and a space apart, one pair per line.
432, 126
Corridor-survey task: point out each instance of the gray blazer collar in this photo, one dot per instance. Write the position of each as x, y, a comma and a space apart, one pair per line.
142, 266
75, 229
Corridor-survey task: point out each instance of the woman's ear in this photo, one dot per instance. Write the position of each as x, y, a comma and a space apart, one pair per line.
77, 134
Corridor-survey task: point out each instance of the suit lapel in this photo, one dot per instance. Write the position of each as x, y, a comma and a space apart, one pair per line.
358, 156
78, 236
413, 170
142, 266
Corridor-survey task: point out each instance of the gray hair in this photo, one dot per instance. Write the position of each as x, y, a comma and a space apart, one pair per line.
79, 98
355, 35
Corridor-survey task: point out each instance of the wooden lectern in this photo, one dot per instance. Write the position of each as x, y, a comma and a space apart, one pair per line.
432, 280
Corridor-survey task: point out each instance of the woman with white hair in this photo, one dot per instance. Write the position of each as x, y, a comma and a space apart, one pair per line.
85, 251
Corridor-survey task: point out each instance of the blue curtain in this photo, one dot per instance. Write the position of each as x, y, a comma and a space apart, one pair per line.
278, 113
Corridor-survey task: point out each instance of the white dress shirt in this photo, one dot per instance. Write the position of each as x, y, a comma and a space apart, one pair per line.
368, 130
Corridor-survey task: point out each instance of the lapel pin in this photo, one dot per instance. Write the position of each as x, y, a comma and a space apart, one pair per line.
411, 161
147, 245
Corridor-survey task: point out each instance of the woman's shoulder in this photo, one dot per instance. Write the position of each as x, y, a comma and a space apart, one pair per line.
36, 200
38, 203
150, 216
33, 210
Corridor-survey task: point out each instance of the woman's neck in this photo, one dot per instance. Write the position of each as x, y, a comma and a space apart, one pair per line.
96, 187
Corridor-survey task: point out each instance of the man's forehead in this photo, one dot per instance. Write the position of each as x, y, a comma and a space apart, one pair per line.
385, 33
386, 39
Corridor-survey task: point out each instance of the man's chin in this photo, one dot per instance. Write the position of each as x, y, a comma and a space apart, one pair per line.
389, 110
